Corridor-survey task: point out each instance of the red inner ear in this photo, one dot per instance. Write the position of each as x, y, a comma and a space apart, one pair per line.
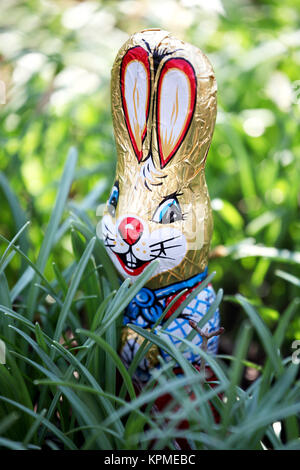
135, 93
176, 99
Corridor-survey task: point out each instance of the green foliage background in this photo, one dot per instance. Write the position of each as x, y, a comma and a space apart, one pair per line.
56, 58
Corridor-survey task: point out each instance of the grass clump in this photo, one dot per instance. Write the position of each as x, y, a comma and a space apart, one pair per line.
58, 387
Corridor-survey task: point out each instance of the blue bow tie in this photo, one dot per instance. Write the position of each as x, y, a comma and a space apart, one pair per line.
148, 305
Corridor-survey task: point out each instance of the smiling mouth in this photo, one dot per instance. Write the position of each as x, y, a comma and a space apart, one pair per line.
131, 264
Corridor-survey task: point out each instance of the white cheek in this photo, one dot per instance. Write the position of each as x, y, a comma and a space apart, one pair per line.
174, 248
120, 246
108, 228
141, 249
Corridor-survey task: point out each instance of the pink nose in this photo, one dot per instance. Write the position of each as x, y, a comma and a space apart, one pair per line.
130, 230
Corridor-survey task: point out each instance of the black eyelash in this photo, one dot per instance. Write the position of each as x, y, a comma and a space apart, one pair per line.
174, 195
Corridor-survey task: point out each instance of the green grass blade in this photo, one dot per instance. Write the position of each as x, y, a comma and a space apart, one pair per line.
115, 357
53, 224
235, 373
65, 440
73, 288
263, 333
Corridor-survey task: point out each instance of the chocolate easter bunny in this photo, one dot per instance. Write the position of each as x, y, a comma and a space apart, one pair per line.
164, 109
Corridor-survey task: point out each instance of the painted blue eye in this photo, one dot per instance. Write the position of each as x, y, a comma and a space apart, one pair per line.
113, 199
168, 211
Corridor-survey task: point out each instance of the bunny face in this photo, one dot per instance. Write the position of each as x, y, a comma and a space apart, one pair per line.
164, 107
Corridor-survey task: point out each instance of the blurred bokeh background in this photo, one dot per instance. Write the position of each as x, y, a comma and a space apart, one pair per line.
55, 59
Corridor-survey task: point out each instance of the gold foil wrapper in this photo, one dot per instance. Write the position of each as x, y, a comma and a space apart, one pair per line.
163, 97
128, 335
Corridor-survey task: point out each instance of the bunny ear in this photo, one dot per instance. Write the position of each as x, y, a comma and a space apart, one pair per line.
135, 93
176, 99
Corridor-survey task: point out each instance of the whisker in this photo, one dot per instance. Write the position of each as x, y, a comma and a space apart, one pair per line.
165, 247
162, 257
108, 229
109, 238
108, 245
165, 241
